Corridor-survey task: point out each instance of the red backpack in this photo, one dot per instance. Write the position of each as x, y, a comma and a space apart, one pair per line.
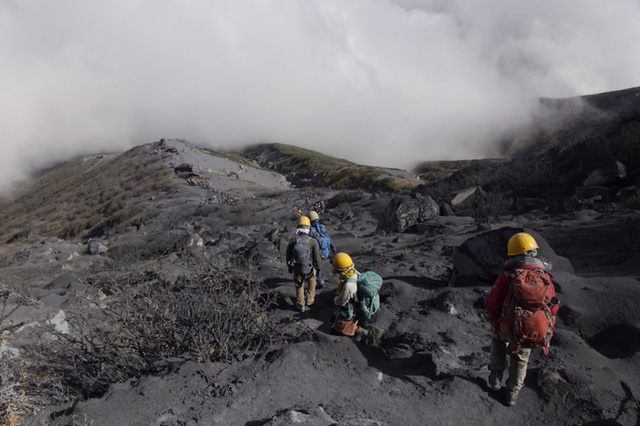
526, 313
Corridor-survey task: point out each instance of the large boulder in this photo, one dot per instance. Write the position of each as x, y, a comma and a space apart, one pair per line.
607, 175
403, 213
96, 247
481, 258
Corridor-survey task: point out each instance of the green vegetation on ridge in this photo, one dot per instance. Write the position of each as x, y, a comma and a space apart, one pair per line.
81, 194
305, 167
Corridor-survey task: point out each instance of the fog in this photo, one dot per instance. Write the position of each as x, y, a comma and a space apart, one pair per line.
380, 82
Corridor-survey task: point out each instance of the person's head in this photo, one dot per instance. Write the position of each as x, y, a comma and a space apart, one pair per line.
342, 263
304, 221
313, 216
522, 243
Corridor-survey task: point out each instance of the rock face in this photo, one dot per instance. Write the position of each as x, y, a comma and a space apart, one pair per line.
481, 258
403, 213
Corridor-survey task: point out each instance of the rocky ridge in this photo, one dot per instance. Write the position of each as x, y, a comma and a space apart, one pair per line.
431, 364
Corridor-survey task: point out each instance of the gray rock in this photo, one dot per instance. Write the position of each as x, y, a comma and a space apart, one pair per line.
405, 212
594, 193
445, 209
607, 175
482, 257
64, 282
97, 247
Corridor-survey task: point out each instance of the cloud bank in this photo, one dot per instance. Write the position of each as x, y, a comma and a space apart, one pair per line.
381, 82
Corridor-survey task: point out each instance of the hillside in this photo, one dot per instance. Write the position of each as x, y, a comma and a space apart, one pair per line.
307, 168
150, 287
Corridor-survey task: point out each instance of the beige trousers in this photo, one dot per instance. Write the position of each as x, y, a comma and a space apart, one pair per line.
517, 363
308, 295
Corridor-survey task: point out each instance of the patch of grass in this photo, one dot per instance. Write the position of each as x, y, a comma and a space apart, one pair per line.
146, 219
433, 171
304, 167
632, 202
83, 193
232, 156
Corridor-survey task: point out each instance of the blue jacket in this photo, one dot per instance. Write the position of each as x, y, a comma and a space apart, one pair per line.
320, 233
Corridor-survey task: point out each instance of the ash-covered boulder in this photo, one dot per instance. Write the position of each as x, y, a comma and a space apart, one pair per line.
404, 213
481, 258
66, 281
184, 168
607, 175
97, 247
594, 193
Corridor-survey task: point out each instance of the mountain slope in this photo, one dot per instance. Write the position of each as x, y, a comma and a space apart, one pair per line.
304, 167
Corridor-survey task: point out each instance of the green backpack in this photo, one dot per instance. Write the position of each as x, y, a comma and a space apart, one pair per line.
369, 284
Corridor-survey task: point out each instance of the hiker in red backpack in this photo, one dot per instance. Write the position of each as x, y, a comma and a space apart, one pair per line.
521, 308
303, 260
351, 308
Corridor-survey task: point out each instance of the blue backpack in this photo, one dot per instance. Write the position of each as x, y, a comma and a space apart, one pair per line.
323, 241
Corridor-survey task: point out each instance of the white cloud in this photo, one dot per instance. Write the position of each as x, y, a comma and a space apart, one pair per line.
375, 81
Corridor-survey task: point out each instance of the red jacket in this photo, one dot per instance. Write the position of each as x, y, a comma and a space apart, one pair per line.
494, 301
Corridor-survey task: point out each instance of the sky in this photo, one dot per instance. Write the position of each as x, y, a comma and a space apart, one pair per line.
379, 82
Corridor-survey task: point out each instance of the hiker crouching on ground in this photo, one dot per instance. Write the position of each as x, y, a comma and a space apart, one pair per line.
303, 259
347, 315
506, 306
325, 242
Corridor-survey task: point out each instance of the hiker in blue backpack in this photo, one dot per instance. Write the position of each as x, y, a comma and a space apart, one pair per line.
357, 300
303, 259
321, 234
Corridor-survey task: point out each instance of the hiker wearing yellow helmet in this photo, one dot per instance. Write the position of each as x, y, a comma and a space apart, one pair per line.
524, 295
303, 259
350, 310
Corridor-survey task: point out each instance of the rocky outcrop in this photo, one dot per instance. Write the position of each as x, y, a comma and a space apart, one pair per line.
607, 175
481, 258
404, 213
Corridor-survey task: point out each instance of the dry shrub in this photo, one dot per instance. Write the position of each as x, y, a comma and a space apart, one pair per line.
135, 250
211, 317
18, 391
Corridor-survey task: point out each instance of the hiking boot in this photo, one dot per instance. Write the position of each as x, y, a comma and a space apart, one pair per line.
512, 395
302, 308
309, 303
360, 332
495, 378
376, 335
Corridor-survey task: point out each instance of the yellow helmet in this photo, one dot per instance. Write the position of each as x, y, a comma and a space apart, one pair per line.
521, 243
342, 262
304, 221
313, 216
